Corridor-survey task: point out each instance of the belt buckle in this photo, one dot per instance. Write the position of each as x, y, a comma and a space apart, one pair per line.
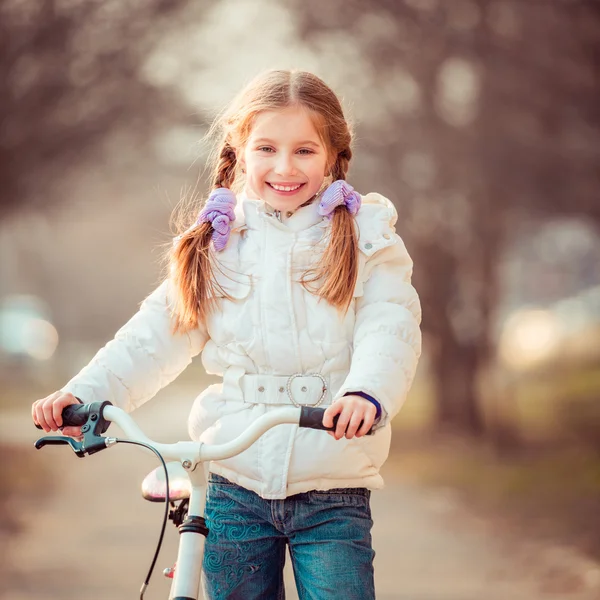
288, 388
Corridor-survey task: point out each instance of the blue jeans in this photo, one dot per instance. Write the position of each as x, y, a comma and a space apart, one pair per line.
328, 533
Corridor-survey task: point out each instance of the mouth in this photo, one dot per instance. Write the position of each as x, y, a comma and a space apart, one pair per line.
286, 189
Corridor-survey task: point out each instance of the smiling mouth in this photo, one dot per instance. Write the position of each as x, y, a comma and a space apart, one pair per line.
285, 188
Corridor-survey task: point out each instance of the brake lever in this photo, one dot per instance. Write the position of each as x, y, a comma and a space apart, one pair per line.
92, 429
58, 440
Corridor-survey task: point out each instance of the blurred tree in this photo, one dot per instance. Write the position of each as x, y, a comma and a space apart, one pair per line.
69, 74
475, 112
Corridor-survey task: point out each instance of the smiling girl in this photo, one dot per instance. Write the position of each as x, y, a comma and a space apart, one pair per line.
296, 289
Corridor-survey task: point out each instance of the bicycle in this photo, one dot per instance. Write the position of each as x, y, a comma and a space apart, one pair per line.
184, 502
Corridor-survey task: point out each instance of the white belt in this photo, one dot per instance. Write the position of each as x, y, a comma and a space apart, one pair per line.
300, 390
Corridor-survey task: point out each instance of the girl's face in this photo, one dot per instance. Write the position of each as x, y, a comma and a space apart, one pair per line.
284, 158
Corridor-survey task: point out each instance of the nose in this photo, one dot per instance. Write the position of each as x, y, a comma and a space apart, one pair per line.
285, 164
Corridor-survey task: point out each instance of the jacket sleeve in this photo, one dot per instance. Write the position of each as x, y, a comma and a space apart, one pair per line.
143, 357
387, 336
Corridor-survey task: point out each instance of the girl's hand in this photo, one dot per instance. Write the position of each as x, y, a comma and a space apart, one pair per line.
352, 410
47, 413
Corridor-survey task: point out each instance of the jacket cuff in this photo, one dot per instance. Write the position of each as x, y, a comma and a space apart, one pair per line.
370, 399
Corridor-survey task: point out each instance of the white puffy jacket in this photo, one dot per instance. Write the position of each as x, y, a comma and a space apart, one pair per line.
272, 329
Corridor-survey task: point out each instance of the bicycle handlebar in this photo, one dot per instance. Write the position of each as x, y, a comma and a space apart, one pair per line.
100, 414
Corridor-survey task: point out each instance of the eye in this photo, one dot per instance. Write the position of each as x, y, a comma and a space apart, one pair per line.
305, 151
265, 149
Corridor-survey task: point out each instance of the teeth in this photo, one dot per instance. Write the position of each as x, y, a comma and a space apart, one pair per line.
285, 188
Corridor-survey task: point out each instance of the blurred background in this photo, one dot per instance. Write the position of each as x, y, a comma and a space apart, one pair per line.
480, 119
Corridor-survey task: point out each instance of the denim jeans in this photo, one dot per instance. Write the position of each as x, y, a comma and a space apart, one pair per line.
328, 533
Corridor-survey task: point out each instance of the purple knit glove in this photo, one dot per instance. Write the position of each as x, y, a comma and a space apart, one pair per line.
339, 192
218, 211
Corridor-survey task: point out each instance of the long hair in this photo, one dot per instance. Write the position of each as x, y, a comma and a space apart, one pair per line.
191, 259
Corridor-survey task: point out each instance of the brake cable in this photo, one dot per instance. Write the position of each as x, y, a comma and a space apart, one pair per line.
165, 517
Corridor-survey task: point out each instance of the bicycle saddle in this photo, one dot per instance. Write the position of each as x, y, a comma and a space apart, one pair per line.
155, 490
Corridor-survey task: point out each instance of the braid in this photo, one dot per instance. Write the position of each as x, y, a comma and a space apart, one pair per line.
340, 168
335, 276
224, 174
192, 268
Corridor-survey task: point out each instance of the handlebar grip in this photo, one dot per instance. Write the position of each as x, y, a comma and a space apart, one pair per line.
74, 415
313, 419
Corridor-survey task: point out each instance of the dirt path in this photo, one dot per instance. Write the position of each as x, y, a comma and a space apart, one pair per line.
92, 539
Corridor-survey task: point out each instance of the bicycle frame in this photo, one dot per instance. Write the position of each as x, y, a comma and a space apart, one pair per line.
192, 455
95, 417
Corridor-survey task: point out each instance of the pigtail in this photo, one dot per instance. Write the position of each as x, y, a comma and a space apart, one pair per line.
191, 261
337, 271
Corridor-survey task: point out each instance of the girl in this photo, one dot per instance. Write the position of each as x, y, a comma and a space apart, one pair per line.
299, 293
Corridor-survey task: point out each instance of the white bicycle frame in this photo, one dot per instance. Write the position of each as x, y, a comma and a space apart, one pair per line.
191, 455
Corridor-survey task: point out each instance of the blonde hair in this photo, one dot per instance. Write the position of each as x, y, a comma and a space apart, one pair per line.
191, 263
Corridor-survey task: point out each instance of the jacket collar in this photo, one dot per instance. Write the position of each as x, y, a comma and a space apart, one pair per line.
253, 213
